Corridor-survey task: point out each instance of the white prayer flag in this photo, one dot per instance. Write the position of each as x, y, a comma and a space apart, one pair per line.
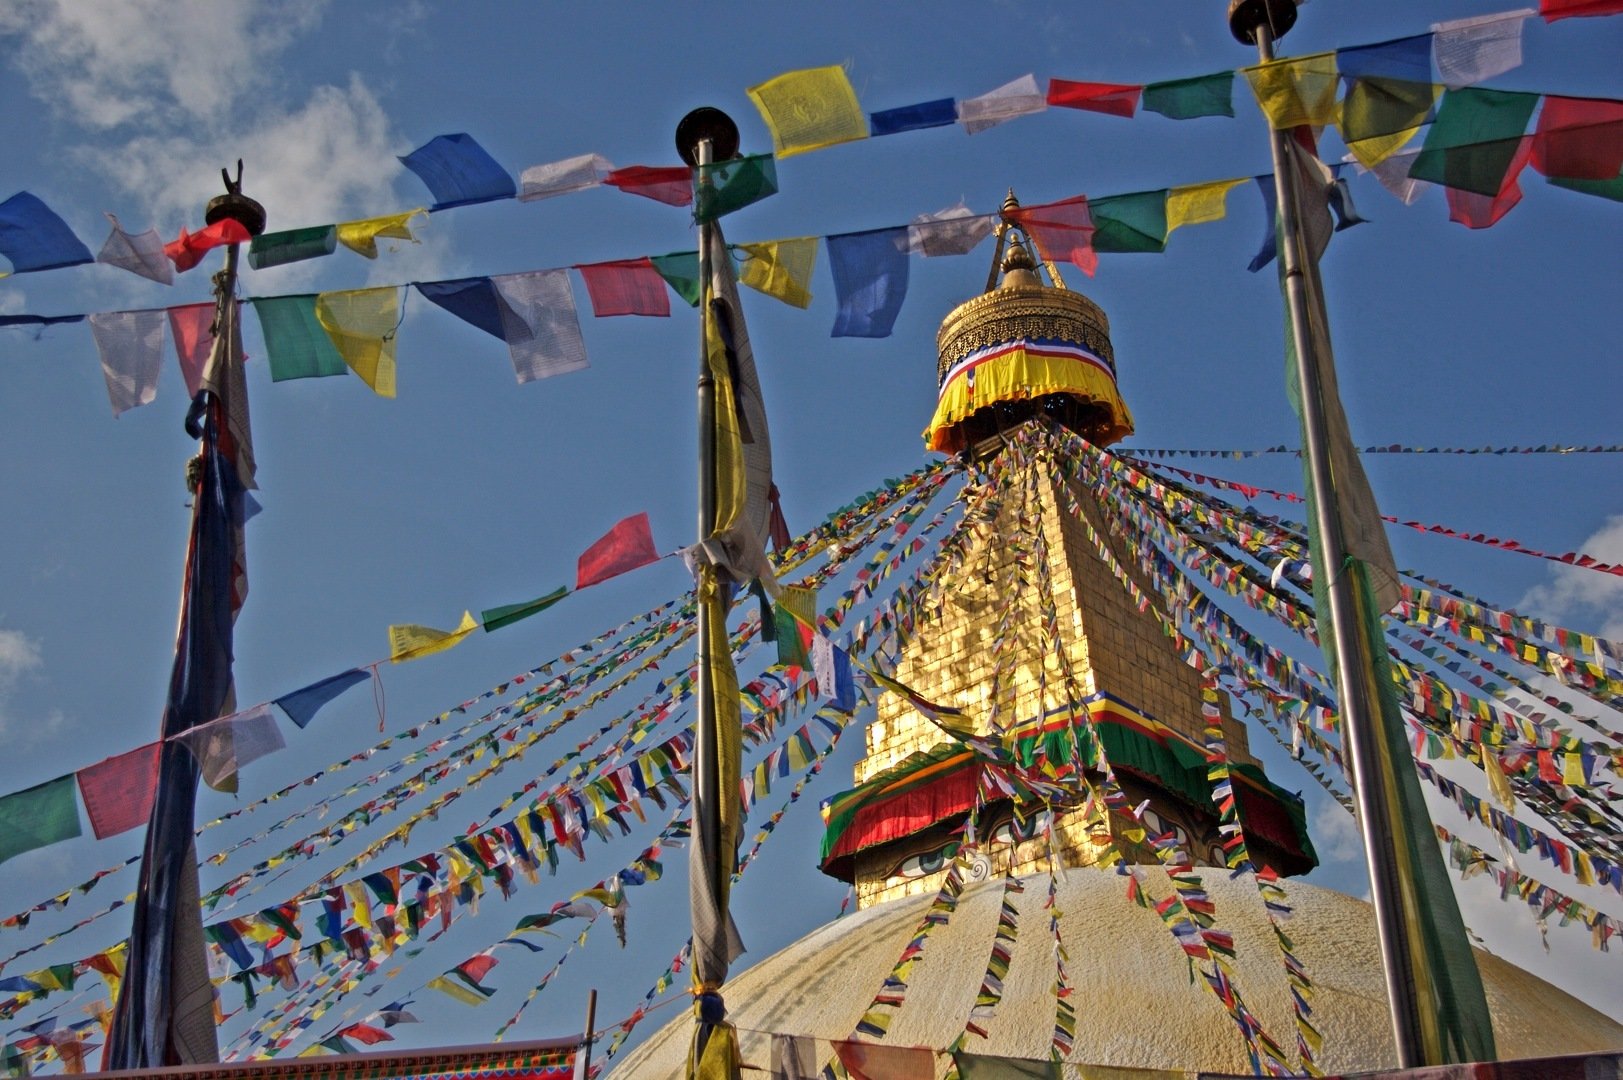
131, 348
540, 324
222, 747
139, 253
1471, 50
562, 177
953, 231
1018, 98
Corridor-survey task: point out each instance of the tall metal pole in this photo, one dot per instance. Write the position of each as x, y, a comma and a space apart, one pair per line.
583, 1060
1353, 656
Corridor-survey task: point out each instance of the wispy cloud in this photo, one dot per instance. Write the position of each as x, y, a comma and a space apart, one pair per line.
1583, 598
20, 656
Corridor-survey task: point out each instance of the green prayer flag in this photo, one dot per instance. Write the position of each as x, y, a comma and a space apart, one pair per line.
1474, 139
506, 615
1185, 99
1606, 189
795, 614
1136, 222
292, 245
982, 1067
680, 269
726, 186
1374, 107
299, 347
38, 816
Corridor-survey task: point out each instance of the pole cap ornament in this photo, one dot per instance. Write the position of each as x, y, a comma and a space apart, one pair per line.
235, 205
1245, 16
702, 123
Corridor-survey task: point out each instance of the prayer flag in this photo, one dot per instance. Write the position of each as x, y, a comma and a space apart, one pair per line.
1113, 98
562, 177
130, 344
508, 614
192, 328
953, 231
1477, 135
1407, 59
877, 1061
38, 816
411, 641
473, 300
627, 546
302, 704
809, 109
1579, 138
1380, 115
1393, 174
725, 186
361, 236
1472, 50
366, 1033
139, 253
457, 171
1063, 231
118, 791
1186, 99
187, 250
1297, 91
223, 747
927, 114
457, 990
671, 185
795, 616
1019, 97
1572, 9
362, 324
1197, 204
32, 237
794, 1057
1606, 189
680, 269
294, 339
981, 1067
626, 287
292, 245
1477, 211
781, 269
870, 281
1136, 222
539, 324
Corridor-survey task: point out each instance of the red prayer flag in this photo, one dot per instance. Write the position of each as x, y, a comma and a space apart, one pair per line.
366, 1033
118, 792
477, 966
187, 251
872, 1061
628, 545
1063, 230
672, 185
1570, 9
192, 327
627, 287
1579, 138
1113, 98
1476, 211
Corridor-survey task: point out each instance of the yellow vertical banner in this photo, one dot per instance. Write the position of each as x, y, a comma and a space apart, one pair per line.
362, 324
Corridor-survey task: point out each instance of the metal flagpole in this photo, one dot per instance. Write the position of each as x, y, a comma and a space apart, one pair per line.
1263, 22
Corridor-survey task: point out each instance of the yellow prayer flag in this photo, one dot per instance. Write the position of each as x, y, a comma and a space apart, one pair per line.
409, 641
1301, 90
1197, 204
355, 893
1371, 152
1497, 783
782, 269
362, 236
362, 324
810, 109
452, 988
1572, 769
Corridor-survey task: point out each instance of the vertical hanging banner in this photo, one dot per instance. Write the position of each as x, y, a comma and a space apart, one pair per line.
870, 281
131, 348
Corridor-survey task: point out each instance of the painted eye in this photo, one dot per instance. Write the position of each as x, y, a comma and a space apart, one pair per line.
918, 866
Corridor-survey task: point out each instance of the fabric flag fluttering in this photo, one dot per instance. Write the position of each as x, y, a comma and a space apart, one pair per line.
1473, 50
870, 281
626, 287
809, 109
539, 324
781, 269
139, 253
941, 112
562, 177
1019, 97
1063, 231
1198, 204
627, 546
188, 249
1297, 91
497, 617
953, 231
37, 817
362, 236
1113, 98
726, 186
411, 641
302, 704
118, 791
131, 347
293, 245
362, 323
458, 171
192, 328
32, 237
297, 344
1186, 99
222, 747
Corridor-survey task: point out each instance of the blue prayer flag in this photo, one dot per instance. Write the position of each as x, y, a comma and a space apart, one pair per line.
32, 237
845, 689
870, 280
301, 705
1408, 59
927, 114
1270, 241
458, 171
473, 300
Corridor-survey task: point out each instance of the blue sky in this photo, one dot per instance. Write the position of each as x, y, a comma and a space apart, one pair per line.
469, 491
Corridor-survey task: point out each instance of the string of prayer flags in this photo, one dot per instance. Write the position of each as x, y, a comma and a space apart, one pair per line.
1473, 50
118, 791
411, 641
1198, 204
1063, 231
1019, 97
870, 281
38, 816
1130, 223
192, 328
295, 341
222, 747
671, 185
1579, 138
130, 344
458, 172
942, 112
1297, 91
809, 109
362, 323
32, 237
953, 231
627, 546
1186, 99
562, 177
302, 704
292, 245
626, 287
1551, 10
1475, 139
1113, 98
725, 186
139, 253
508, 614
781, 268
680, 269
539, 324
188, 249
362, 236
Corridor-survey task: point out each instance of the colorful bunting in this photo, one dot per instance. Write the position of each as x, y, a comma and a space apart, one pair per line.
473, 300
35, 817
809, 109
942, 112
870, 281
627, 287
118, 791
627, 546
411, 641
1019, 97
362, 324
131, 347
680, 270
457, 172
139, 253
671, 185
1186, 99
508, 614
298, 346
1113, 98
781, 269
1553, 10
293, 245
362, 236
539, 324
562, 177
222, 747
33, 238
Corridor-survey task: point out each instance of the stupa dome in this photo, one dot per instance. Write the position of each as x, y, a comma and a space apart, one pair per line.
1135, 1004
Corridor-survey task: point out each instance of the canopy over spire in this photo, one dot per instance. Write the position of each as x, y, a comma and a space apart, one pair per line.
1021, 349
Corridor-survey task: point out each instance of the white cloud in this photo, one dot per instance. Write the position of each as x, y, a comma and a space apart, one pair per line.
20, 655
1335, 834
1582, 598
13, 302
